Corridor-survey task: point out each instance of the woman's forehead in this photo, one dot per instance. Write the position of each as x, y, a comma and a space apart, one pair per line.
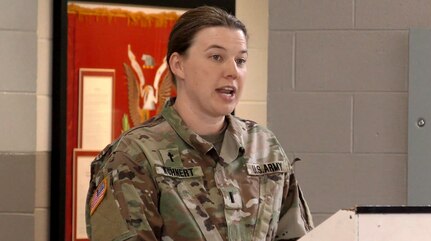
220, 36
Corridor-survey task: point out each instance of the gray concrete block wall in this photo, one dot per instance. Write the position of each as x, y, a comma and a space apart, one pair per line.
43, 119
24, 99
338, 96
18, 15
17, 227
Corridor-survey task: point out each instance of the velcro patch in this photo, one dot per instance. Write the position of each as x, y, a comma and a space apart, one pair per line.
98, 195
180, 172
171, 156
256, 169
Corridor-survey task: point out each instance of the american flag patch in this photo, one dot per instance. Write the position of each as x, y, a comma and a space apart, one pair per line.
98, 196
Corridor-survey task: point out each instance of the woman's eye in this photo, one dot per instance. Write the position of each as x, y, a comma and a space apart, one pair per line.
217, 58
241, 61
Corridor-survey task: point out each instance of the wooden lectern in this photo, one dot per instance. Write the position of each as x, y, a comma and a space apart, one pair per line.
375, 223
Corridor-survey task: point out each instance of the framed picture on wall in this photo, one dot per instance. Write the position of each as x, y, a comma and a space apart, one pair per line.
95, 112
109, 74
81, 179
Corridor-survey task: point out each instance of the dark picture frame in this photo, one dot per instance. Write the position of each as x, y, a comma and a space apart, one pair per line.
58, 173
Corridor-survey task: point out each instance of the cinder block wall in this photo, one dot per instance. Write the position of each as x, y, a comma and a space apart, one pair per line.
25, 37
18, 57
253, 104
43, 116
338, 96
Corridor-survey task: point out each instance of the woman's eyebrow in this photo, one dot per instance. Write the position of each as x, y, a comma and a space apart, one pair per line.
215, 46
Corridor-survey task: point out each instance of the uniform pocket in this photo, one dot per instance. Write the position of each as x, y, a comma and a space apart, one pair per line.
270, 196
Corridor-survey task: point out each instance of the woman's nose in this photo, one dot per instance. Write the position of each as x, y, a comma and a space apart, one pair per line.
231, 69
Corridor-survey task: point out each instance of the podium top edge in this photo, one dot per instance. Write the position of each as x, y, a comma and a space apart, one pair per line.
392, 209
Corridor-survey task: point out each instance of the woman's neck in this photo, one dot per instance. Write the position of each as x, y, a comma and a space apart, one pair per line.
199, 123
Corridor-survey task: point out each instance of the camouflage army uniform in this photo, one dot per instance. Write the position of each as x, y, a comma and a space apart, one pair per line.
161, 181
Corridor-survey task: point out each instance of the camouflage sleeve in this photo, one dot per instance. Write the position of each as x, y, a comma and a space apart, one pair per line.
124, 201
295, 217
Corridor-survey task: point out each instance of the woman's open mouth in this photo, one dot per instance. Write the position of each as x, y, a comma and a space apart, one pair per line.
228, 91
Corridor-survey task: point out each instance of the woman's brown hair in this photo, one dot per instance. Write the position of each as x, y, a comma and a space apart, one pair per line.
194, 20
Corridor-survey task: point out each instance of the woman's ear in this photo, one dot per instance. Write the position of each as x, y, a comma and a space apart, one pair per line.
176, 64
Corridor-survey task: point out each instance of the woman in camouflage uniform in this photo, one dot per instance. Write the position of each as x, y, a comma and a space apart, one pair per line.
196, 172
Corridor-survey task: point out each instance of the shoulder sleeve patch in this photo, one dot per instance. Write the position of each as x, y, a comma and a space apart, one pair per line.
98, 195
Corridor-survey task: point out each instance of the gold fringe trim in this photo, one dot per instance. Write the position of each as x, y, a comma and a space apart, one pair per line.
134, 18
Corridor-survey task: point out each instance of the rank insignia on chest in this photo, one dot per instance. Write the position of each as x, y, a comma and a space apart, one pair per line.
266, 168
98, 195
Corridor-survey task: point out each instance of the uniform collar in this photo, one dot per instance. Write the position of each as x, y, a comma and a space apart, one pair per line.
232, 143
